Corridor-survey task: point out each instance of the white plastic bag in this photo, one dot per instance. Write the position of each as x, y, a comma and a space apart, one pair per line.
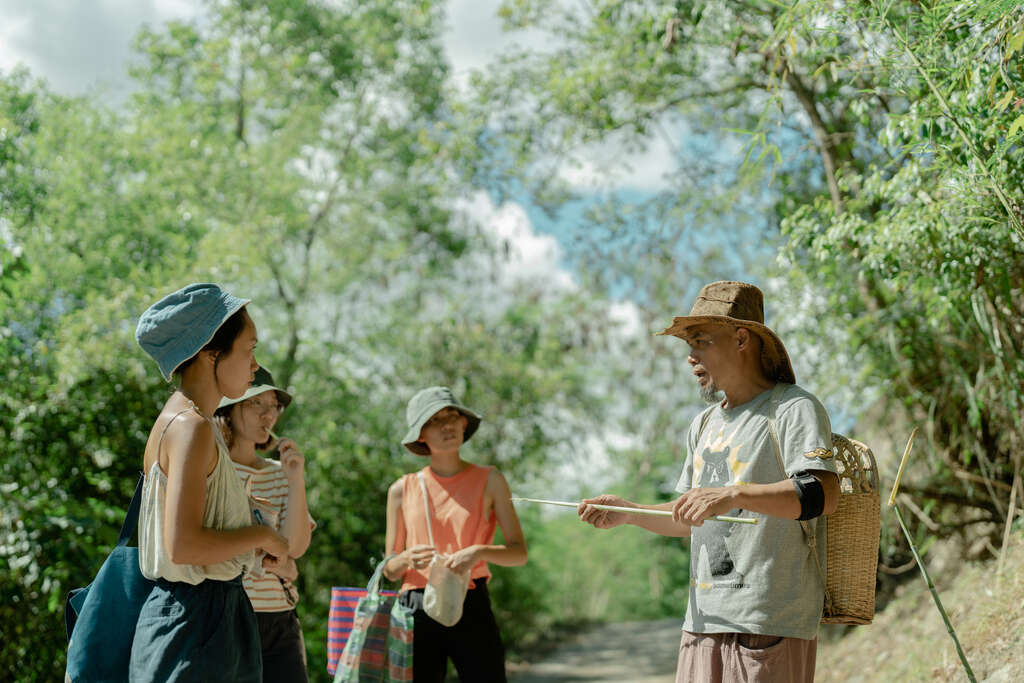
445, 592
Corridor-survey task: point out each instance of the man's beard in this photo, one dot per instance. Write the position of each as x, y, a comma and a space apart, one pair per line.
710, 392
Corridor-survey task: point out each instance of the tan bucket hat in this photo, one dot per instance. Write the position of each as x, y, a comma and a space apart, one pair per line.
741, 305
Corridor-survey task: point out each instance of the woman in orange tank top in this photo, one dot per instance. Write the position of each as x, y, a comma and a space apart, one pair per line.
466, 503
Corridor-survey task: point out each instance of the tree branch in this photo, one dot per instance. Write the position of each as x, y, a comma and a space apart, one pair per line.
955, 499
821, 134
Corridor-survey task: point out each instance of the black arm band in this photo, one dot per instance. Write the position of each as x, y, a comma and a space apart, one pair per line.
810, 493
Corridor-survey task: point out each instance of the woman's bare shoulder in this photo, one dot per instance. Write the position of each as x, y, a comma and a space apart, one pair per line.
180, 435
395, 490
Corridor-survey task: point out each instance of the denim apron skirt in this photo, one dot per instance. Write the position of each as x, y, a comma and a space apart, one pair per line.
202, 632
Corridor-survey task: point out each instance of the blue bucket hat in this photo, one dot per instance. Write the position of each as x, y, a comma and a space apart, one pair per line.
178, 326
423, 406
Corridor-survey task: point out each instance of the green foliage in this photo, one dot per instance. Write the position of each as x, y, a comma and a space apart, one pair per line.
300, 154
311, 156
881, 139
927, 256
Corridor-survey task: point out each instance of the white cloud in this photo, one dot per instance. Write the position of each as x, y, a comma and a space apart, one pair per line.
77, 46
626, 315
610, 164
474, 37
523, 257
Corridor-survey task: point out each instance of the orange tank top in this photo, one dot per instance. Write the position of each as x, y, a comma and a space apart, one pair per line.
456, 509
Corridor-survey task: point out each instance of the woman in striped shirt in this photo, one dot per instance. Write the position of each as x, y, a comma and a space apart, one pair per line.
277, 491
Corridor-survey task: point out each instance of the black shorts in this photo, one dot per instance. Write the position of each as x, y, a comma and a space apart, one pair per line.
473, 644
284, 655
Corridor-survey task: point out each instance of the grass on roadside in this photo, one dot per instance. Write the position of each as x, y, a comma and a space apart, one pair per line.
909, 642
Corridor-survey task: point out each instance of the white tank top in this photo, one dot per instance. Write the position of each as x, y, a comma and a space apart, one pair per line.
227, 507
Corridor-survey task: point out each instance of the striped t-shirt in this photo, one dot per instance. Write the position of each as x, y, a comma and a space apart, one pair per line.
268, 488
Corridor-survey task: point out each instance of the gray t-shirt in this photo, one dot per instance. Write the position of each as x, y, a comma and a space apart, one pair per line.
747, 578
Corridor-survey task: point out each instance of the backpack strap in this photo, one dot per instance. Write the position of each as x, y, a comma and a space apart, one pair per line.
809, 532
131, 518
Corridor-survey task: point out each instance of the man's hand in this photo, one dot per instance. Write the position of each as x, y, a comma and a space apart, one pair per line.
604, 519
697, 505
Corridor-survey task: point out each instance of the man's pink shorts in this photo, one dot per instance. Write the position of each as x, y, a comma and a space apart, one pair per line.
745, 658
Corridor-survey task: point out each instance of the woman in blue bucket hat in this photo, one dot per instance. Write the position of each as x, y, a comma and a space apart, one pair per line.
465, 502
196, 532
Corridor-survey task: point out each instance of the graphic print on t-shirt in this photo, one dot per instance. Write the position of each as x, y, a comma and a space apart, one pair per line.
716, 464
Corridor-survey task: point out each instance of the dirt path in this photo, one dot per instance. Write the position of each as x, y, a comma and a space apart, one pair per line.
627, 652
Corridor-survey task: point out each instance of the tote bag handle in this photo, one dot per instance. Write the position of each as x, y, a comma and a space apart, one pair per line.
373, 587
131, 518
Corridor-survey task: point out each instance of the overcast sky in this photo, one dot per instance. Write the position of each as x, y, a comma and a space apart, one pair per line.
81, 46
77, 45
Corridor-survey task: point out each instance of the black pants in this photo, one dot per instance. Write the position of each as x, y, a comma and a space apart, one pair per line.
473, 644
284, 656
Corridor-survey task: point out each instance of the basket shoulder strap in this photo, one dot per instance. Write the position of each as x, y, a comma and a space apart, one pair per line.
426, 506
705, 417
773, 409
809, 532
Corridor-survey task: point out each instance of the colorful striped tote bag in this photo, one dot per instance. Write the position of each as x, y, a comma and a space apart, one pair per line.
369, 635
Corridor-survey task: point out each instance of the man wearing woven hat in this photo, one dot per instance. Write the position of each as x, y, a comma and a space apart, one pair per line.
761, 451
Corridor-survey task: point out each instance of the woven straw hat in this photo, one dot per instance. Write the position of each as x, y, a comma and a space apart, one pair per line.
740, 305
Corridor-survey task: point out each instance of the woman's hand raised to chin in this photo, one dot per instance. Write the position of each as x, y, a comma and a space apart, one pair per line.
292, 461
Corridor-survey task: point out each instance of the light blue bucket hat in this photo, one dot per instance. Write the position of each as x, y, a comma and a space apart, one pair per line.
178, 326
423, 406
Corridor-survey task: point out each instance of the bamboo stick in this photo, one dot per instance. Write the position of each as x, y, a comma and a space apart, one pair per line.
935, 598
899, 472
637, 511
918, 512
924, 572
1009, 514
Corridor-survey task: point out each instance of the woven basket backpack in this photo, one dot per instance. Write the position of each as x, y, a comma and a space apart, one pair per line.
852, 531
